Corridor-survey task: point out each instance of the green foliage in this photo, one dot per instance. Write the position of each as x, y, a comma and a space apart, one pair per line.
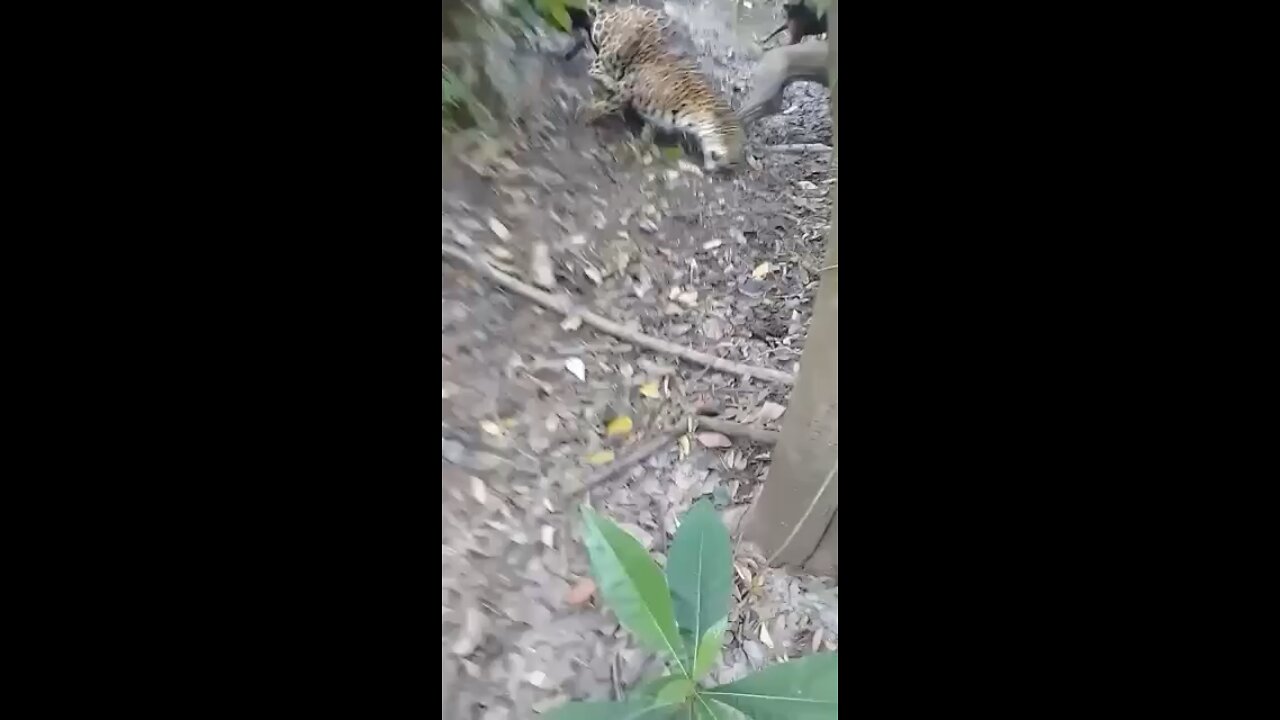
631, 582
481, 45
684, 616
555, 11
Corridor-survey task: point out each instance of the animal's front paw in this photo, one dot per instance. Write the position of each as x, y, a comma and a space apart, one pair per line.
597, 111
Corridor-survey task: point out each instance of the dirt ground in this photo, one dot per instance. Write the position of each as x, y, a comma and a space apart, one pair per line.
725, 265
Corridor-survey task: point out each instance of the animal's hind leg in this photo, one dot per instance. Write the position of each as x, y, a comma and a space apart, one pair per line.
602, 74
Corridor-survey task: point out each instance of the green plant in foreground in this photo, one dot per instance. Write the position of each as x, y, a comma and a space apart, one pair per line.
684, 616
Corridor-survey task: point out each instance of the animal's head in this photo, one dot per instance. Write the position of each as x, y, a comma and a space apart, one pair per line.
723, 142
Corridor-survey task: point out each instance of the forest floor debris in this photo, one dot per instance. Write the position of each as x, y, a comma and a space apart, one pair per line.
533, 399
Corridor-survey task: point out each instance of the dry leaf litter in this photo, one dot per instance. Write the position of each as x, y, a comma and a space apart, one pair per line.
532, 403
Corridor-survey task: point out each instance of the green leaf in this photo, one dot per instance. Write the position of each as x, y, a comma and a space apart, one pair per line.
709, 648
700, 574
676, 692
632, 585
711, 709
652, 689
798, 690
629, 710
562, 17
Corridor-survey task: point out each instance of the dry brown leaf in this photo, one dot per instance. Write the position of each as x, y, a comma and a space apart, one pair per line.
499, 229
771, 411
471, 633
761, 270
581, 591
712, 244
478, 490
642, 536
684, 447
540, 261
714, 440
491, 427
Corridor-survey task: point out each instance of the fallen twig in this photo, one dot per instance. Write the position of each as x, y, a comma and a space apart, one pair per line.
564, 304
728, 427
641, 452
798, 148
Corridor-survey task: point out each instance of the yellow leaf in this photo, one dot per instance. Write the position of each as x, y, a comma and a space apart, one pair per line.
490, 427
761, 270
600, 458
684, 446
649, 389
620, 425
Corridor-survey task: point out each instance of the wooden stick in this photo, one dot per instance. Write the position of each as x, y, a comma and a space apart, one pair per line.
641, 452
798, 148
564, 304
760, 435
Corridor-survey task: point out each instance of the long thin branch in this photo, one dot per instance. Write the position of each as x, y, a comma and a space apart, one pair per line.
797, 148
564, 304
611, 471
760, 435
